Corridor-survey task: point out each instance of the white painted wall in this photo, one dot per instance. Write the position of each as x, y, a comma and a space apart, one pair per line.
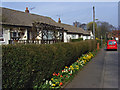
91, 35
81, 36
65, 37
84, 37
39, 36
72, 36
6, 35
87, 37
77, 36
24, 37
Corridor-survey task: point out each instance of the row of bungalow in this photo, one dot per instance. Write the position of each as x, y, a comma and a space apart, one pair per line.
24, 27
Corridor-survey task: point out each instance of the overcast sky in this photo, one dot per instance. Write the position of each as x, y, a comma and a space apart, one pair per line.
70, 11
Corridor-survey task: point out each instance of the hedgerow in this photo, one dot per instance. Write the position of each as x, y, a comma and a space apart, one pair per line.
24, 66
76, 40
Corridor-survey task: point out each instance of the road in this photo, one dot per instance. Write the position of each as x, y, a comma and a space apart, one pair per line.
100, 72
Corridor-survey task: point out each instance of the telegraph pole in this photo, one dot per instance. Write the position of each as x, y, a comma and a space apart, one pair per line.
93, 22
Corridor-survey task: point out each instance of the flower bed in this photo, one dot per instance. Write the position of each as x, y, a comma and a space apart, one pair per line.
59, 79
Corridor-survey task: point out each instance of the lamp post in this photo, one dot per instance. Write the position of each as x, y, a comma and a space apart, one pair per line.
93, 22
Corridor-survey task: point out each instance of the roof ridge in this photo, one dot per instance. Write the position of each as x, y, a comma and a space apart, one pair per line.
71, 25
24, 12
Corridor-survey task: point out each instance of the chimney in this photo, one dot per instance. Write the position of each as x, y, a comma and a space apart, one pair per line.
27, 11
59, 21
75, 24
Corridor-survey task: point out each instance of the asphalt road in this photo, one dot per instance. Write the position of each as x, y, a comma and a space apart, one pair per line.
100, 72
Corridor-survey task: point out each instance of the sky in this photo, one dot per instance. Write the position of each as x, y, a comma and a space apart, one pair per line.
70, 11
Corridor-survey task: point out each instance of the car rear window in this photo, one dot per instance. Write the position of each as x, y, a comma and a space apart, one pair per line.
111, 43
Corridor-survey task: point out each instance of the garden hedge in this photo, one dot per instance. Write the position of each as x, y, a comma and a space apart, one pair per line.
24, 66
76, 40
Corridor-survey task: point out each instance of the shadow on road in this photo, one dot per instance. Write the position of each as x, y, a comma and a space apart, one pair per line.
110, 49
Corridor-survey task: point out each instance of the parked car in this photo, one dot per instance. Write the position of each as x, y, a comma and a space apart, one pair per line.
111, 45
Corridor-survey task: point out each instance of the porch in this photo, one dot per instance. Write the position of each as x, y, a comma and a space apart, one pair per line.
39, 33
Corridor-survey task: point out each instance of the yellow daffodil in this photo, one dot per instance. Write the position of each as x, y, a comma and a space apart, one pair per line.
57, 82
71, 68
53, 85
51, 78
77, 66
66, 67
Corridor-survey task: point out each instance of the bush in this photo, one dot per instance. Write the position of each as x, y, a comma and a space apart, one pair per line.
25, 66
76, 40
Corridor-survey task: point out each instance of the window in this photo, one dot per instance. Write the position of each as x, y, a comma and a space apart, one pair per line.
45, 34
60, 35
112, 43
50, 35
14, 34
1, 32
19, 34
73, 36
86, 37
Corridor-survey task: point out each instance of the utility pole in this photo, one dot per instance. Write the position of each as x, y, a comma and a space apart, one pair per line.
101, 39
93, 22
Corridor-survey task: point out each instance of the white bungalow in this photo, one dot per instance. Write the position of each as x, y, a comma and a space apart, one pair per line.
74, 32
24, 27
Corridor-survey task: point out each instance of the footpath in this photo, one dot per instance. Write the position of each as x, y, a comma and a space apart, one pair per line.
100, 72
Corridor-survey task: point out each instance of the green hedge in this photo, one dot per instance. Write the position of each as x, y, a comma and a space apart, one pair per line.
76, 40
25, 66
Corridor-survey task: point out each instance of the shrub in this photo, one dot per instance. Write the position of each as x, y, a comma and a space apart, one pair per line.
25, 66
76, 40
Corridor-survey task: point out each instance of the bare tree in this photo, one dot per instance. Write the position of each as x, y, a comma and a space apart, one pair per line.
77, 24
83, 26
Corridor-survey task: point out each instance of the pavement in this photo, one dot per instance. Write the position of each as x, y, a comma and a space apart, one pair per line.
100, 72
0, 67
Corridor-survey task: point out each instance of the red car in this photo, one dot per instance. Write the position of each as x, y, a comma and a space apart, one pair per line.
111, 44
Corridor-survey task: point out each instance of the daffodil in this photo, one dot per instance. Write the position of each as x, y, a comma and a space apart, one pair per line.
56, 82
66, 67
51, 78
53, 85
